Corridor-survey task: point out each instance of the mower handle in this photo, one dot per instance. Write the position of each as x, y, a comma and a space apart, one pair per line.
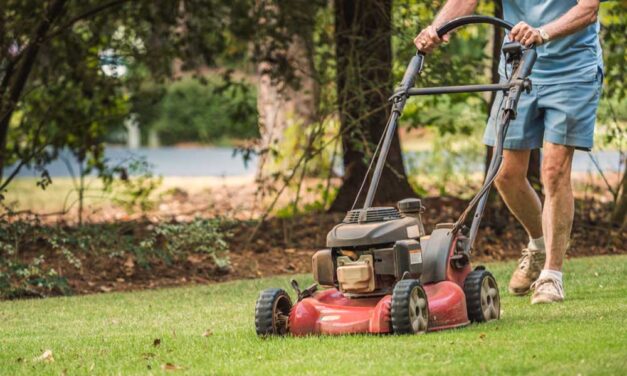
415, 65
474, 19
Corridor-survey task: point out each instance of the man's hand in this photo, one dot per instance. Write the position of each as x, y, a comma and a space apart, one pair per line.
428, 39
525, 34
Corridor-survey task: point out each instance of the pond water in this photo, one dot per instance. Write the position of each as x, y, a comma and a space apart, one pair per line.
222, 161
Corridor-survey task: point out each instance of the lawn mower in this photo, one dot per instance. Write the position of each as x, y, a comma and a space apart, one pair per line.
383, 272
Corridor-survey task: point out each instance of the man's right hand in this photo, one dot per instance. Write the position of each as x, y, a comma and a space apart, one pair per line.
428, 39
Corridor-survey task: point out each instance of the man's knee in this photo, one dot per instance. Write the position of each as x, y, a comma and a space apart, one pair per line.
510, 176
556, 166
555, 176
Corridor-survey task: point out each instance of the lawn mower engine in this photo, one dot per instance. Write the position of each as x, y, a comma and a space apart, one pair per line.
381, 271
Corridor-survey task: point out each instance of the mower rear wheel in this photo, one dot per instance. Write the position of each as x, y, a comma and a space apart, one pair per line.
483, 301
410, 309
272, 312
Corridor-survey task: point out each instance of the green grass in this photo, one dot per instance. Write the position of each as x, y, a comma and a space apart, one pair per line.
115, 333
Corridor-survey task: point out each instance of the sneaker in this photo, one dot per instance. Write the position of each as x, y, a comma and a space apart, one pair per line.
547, 290
529, 267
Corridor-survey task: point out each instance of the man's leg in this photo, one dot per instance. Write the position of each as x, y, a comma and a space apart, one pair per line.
518, 193
525, 205
559, 204
557, 218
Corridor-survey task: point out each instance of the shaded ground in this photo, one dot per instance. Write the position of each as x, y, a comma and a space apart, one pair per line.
285, 246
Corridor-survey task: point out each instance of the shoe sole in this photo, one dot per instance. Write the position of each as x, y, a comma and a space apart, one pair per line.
545, 301
518, 292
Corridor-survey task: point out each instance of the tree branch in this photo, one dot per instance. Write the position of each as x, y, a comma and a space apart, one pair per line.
85, 15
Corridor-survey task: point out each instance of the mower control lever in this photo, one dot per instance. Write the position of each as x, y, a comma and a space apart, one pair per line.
306, 293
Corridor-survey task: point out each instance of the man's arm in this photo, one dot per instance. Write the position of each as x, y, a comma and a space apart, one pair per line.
577, 18
428, 38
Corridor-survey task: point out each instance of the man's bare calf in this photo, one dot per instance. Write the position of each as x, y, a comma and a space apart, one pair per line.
554, 220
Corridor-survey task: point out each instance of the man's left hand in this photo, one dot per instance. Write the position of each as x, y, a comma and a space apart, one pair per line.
525, 34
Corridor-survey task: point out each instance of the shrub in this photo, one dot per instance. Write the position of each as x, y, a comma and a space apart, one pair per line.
204, 111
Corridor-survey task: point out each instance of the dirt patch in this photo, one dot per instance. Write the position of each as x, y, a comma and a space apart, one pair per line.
285, 246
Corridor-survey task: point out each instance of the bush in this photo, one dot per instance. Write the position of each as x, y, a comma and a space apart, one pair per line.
204, 111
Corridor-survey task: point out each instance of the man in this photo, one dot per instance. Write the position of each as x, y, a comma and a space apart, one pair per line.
558, 115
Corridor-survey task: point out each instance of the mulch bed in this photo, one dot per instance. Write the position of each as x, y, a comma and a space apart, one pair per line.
285, 246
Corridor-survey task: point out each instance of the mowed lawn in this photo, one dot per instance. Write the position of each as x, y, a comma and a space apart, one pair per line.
210, 330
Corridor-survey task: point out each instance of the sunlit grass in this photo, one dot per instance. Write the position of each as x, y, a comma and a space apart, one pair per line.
115, 334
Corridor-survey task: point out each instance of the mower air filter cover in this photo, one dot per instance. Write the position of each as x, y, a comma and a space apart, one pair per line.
356, 276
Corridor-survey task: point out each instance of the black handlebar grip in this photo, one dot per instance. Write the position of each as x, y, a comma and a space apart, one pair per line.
465, 20
412, 71
528, 60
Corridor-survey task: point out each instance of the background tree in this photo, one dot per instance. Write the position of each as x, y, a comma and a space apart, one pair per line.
364, 84
288, 87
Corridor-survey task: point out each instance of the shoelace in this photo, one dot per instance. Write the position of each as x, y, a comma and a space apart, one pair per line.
545, 285
525, 259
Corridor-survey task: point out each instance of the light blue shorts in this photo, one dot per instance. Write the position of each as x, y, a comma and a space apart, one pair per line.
562, 114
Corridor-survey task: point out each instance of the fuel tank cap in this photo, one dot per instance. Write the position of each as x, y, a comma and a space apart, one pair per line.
410, 205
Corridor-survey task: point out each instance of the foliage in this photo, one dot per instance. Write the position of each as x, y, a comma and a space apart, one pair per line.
135, 186
29, 240
206, 111
62, 65
199, 236
613, 41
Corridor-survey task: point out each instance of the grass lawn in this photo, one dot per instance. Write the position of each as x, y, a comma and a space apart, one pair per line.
116, 334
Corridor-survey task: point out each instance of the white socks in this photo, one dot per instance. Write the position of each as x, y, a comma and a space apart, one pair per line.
552, 274
536, 244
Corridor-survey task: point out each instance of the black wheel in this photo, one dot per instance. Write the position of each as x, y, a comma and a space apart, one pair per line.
410, 309
482, 296
272, 312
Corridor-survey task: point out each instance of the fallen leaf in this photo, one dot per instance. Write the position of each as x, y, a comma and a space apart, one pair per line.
482, 335
156, 342
170, 367
195, 259
105, 288
46, 357
207, 333
129, 266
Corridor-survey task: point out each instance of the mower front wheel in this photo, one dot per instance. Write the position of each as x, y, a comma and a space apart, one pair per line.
410, 309
272, 312
483, 301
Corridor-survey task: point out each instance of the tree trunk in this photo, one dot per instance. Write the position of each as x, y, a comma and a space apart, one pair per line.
15, 85
287, 90
364, 84
619, 215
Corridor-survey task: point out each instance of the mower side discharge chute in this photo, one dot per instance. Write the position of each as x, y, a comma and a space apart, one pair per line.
383, 273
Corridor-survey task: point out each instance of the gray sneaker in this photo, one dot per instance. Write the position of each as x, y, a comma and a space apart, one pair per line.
547, 290
530, 265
